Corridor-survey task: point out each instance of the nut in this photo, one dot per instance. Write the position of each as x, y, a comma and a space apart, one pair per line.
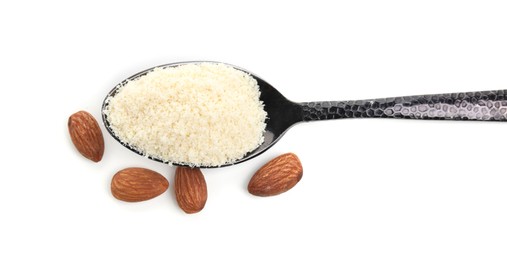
86, 135
190, 188
277, 176
138, 184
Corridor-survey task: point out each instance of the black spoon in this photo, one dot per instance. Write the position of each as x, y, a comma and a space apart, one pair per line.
283, 113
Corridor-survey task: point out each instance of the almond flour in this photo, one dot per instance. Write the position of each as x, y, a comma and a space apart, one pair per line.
199, 114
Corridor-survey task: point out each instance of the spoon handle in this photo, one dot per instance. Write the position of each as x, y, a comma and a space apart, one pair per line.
483, 105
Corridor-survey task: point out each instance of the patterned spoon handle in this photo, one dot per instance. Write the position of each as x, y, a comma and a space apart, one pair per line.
483, 105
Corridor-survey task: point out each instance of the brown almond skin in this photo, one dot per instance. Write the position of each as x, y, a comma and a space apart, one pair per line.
86, 135
277, 176
191, 190
138, 184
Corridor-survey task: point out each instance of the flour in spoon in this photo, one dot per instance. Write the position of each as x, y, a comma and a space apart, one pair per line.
202, 114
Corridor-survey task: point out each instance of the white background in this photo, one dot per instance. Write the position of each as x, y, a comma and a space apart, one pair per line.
372, 188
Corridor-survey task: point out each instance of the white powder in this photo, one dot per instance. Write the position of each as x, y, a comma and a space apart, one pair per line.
202, 114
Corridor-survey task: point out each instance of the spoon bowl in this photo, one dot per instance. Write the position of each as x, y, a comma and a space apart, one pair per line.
282, 113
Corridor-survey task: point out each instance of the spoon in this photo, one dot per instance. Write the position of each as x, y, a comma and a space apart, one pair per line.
282, 113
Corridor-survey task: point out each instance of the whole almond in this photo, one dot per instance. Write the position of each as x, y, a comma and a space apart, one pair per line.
138, 184
190, 188
86, 135
277, 176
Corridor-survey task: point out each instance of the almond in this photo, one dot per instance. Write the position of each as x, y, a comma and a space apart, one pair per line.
86, 135
138, 184
190, 188
277, 176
